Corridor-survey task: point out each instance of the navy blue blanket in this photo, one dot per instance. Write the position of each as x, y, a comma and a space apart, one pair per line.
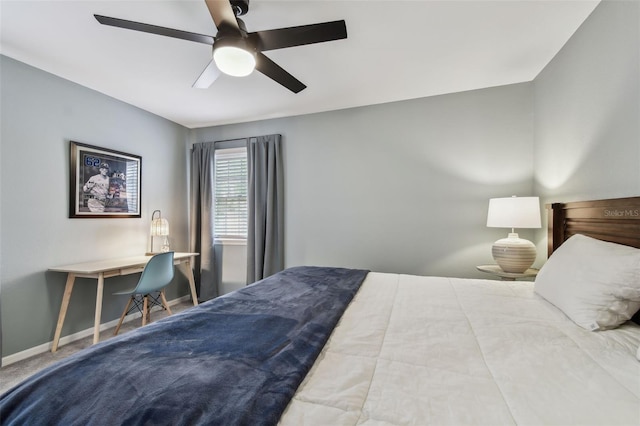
235, 360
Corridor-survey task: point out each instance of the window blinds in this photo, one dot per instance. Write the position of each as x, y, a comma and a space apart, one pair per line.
230, 217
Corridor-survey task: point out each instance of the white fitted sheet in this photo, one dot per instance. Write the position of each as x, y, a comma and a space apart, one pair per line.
433, 350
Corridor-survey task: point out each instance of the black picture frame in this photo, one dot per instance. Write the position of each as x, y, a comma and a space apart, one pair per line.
104, 183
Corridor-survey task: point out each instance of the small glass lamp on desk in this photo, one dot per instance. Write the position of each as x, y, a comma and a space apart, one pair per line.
159, 228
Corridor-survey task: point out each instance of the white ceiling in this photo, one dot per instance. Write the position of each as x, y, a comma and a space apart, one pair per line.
395, 50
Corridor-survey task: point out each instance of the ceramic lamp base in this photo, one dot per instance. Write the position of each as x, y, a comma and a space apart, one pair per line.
514, 254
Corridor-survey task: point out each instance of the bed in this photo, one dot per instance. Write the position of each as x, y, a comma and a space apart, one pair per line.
335, 346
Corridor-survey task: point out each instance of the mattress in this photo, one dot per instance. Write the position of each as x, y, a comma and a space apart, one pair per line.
433, 350
407, 350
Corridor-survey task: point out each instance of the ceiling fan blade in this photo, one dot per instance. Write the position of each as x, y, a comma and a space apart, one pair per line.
298, 36
222, 15
154, 29
272, 70
208, 76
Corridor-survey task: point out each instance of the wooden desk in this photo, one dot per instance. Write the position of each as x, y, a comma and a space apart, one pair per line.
102, 269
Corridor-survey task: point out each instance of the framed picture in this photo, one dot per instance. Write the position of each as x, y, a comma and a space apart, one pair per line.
104, 183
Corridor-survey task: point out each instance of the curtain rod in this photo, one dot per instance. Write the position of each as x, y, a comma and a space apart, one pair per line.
219, 142
232, 140
239, 139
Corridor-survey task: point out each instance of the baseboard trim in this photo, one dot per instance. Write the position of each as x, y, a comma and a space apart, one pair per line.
45, 347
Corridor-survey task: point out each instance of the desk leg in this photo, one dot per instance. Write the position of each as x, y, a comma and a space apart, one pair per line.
96, 322
192, 282
68, 288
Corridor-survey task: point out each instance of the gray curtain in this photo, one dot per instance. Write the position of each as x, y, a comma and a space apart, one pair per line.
265, 239
202, 192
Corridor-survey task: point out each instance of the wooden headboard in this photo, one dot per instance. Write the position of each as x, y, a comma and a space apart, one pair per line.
615, 220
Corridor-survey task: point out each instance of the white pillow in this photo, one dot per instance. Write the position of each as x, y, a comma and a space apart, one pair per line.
595, 283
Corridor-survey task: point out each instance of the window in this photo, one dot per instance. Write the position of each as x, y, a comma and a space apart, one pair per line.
230, 205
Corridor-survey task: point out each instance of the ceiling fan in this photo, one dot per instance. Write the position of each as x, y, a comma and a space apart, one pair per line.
238, 52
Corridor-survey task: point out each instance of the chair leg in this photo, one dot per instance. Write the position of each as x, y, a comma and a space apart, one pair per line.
164, 302
124, 314
145, 310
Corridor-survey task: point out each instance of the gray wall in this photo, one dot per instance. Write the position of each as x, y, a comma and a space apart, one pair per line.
400, 187
587, 111
232, 266
40, 114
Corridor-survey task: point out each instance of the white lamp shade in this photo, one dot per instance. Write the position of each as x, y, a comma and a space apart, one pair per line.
514, 212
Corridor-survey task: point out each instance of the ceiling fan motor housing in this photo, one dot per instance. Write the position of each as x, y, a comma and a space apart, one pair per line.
240, 7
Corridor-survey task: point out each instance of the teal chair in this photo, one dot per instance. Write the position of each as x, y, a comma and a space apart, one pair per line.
157, 274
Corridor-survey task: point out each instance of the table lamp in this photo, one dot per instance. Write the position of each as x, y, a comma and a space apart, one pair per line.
514, 254
159, 228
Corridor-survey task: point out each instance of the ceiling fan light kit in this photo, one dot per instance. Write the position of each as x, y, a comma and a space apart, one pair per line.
237, 52
233, 57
